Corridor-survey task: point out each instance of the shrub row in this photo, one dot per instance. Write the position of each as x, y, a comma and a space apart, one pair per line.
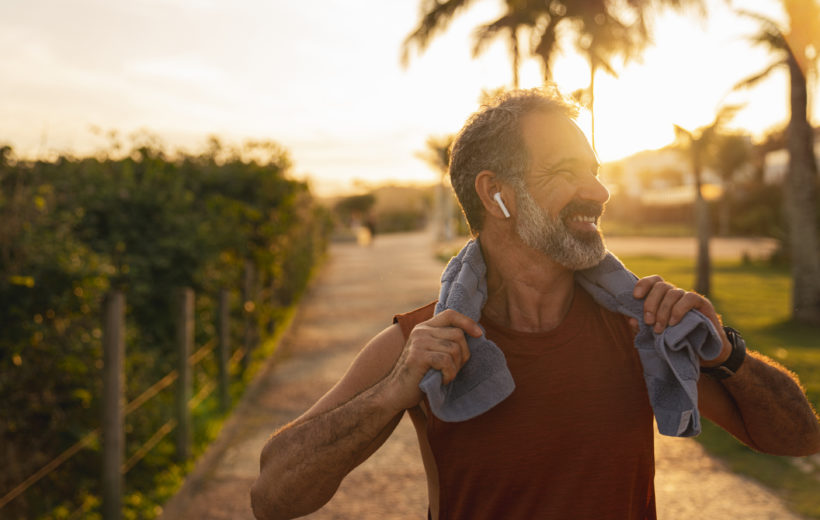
145, 223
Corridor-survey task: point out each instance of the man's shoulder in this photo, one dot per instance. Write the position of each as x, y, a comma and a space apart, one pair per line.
410, 319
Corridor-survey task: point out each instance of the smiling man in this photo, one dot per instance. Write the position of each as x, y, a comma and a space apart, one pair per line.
574, 439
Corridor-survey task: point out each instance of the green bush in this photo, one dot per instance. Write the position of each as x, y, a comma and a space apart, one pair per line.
145, 224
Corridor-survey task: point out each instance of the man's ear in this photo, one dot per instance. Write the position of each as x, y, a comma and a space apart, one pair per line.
487, 185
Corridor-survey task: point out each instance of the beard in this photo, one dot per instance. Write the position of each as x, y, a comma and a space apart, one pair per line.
572, 249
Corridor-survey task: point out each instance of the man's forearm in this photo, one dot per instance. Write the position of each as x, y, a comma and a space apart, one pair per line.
777, 416
303, 464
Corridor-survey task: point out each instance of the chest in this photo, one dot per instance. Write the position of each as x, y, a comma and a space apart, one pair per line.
580, 396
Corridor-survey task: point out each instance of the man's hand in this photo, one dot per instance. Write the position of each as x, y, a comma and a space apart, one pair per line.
665, 305
437, 343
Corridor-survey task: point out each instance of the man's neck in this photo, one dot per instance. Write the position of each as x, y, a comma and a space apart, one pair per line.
527, 290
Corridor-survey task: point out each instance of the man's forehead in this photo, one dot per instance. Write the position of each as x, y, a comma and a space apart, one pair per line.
555, 138
567, 161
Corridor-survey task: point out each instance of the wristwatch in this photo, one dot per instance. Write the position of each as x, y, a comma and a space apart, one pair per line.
729, 367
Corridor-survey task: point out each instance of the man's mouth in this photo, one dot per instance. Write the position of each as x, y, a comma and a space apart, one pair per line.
584, 222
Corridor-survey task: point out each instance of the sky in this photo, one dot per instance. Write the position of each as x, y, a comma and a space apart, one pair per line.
323, 78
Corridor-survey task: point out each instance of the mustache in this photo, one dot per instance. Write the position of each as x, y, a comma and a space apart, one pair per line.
582, 207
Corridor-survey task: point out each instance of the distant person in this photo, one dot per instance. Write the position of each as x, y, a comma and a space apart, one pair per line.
361, 228
574, 438
370, 224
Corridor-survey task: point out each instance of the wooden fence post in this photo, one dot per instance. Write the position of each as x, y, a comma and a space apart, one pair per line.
185, 342
113, 399
249, 308
224, 350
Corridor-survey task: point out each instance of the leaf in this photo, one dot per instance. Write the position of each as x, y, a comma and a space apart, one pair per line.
25, 281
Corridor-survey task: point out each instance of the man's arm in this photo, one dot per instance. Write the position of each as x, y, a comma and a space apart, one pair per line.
762, 404
303, 464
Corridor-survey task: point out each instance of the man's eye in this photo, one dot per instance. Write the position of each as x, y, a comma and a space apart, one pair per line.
573, 174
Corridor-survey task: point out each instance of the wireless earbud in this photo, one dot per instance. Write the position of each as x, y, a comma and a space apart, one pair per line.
501, 205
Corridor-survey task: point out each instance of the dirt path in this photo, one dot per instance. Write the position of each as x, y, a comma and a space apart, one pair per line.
354, 298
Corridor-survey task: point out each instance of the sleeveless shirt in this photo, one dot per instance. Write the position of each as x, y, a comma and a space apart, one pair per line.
573, 441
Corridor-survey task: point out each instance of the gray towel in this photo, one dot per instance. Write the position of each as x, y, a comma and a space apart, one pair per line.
670, 359
484, 380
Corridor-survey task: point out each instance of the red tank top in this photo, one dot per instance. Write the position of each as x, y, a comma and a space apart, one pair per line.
573, 441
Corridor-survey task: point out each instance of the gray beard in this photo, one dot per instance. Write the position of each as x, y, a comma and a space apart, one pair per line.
571, 249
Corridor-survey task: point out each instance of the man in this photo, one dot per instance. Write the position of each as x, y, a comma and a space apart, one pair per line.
574, 440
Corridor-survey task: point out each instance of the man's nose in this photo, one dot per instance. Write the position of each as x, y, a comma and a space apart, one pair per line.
594, 189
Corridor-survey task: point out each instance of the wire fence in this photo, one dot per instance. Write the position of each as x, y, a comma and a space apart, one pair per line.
114, 414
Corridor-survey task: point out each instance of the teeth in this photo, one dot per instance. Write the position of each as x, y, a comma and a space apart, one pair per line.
581, 218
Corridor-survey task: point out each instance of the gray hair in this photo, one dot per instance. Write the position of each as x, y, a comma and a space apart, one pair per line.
491, 140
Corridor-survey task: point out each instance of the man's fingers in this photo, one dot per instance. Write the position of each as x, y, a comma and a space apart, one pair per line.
652, 302
644, 285
688, 302
446, 365
454, 349
664, 313
634, 326
459, 324
450, 336
666, 305
439, 344
451, 318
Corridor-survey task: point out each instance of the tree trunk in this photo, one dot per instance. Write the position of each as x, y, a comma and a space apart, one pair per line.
703, 268
801, 204
702, 228
516, 56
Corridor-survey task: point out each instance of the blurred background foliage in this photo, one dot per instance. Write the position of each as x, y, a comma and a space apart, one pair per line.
143, 222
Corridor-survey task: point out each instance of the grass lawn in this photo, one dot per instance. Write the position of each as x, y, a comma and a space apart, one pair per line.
755, 299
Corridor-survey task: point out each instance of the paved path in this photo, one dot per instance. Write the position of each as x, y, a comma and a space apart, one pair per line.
355, 297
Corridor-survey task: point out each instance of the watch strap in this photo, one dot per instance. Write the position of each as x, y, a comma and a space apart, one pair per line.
729, 367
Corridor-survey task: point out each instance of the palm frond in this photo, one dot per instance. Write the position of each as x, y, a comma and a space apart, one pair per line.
547, 45
707, 134
726, 113
436, 16
604, 64
683, 135
483, 34
771, 34
753, 80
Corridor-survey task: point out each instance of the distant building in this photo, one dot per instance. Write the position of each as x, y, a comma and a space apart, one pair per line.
664, 176
776, 162
658, 177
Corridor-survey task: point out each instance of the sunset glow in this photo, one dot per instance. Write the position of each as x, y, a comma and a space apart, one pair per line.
323, 79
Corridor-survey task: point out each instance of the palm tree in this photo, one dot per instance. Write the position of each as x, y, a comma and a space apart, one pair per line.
437, 15
512, 22
602, 30
698, 145
796, 50
732, 152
